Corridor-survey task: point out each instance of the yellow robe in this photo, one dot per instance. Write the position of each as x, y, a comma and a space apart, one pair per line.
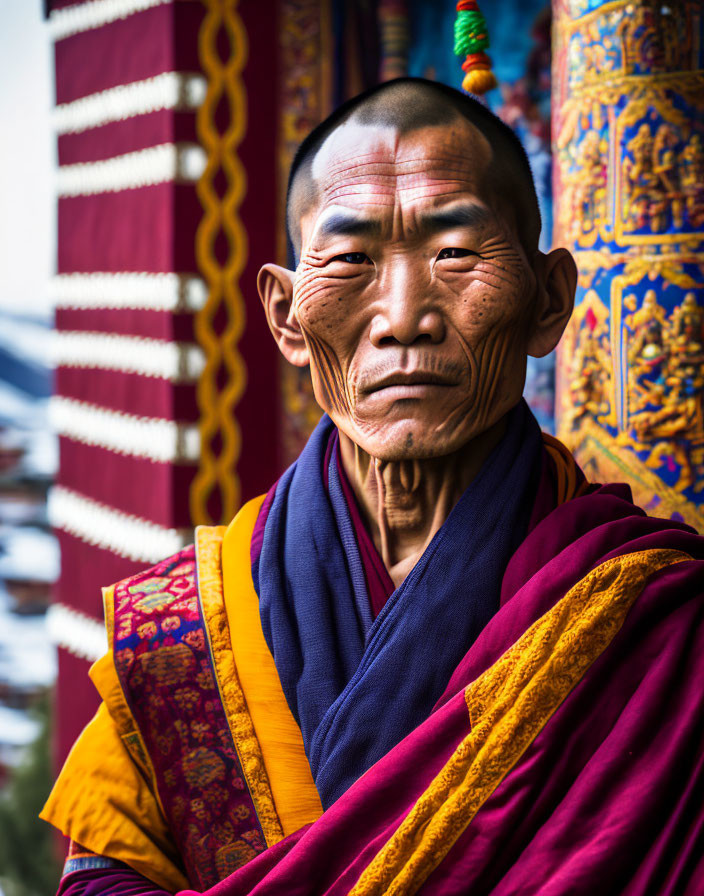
105, 798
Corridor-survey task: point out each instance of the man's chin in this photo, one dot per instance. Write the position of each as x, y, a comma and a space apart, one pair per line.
393, 441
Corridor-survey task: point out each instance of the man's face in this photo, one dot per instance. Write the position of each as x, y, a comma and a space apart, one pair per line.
413, 293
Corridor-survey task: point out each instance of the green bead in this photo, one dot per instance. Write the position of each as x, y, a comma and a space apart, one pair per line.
469, 24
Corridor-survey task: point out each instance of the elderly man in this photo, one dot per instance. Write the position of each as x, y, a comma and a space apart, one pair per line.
432, 656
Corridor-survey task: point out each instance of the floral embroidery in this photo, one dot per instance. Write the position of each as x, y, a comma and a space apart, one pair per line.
164, 666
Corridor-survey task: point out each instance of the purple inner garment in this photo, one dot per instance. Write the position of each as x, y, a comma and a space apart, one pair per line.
380, 586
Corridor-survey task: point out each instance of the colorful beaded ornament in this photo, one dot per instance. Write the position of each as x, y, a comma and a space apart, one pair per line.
472, 38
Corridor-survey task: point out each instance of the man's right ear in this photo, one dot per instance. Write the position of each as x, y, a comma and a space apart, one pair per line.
275, 285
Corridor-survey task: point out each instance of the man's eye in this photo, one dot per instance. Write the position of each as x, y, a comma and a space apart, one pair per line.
353, 258
454, 252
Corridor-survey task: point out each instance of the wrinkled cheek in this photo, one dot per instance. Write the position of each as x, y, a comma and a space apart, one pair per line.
323, 312
491, 310
494, 325
496, 360
502, 368
327, 373
325, 319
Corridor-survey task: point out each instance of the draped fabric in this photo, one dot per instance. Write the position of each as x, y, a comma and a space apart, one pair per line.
112, 882
337, 668
565, 756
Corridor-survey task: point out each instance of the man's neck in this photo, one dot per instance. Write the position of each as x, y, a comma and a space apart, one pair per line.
405, 502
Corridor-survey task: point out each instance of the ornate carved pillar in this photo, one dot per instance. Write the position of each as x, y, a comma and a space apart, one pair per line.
628, 134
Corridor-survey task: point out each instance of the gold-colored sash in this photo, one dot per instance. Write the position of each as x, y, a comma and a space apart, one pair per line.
509, 705
290, 781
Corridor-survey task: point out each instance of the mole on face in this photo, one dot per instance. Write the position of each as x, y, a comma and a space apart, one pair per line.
413, 291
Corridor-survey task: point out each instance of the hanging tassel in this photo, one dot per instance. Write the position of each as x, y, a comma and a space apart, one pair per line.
472, 38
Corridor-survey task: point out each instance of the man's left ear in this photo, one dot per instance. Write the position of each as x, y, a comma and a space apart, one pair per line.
556, 273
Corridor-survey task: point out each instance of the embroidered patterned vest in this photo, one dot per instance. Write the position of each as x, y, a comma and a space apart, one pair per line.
183, 740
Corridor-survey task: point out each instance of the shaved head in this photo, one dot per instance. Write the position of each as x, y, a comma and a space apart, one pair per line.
406, 105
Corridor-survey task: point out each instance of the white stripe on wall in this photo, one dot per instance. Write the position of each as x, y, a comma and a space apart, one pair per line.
170, 90
164, 441
105, 527
76, 632
168, 162
178, 362
94, 14
151, 292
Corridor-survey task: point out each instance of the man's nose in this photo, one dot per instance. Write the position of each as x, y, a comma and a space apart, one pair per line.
406, 313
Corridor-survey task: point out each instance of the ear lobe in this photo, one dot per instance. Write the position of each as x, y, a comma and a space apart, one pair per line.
557, 282
275, 285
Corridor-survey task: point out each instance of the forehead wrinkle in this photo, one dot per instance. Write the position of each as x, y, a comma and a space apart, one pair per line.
396, 181
407, 179
397, 170
391, 176
329, 156
405, 193
388, 170
352, 160
363, 197
433, 190
394, 152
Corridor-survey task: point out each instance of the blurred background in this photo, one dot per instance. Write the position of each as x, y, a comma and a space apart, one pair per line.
144, 147
29, 552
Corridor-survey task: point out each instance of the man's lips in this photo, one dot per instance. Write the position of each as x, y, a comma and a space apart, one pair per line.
408, 378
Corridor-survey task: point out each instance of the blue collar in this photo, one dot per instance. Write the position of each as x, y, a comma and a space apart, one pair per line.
339, 669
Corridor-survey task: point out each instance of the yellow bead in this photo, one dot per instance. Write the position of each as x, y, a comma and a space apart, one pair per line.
479, 81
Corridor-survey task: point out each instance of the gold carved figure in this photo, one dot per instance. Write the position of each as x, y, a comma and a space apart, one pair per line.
590, 384
666, 383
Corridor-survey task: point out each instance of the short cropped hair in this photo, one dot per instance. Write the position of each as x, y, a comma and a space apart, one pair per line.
408, 104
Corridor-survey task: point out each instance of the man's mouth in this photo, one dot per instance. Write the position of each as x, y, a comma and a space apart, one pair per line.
414, 381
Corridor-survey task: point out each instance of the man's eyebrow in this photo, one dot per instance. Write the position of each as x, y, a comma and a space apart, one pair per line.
341, 224
469, 214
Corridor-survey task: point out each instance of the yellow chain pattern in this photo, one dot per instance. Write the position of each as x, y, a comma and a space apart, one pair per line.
217, 473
